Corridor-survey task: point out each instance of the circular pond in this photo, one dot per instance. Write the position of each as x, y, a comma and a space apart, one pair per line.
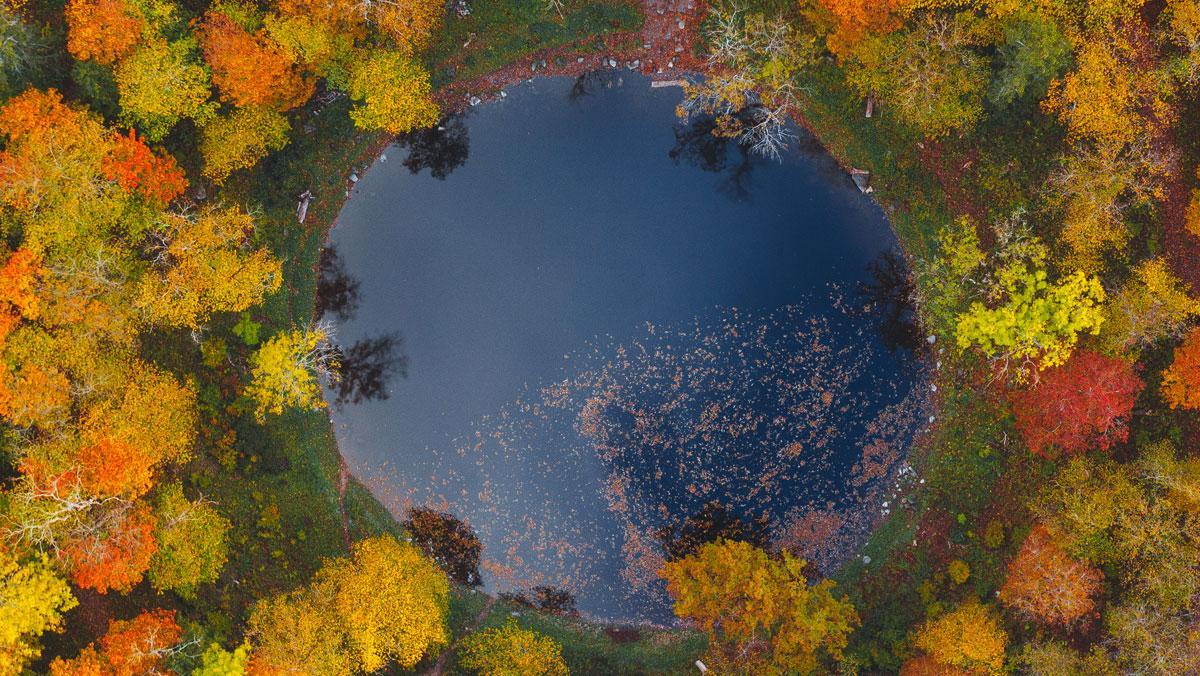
620, 333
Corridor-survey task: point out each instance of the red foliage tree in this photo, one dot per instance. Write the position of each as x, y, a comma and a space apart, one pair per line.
1046, 584
137, 168
1085, 403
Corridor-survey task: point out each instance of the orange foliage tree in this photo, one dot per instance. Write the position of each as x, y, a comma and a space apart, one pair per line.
102, 30
128, 648
251, 70
18, 279
1045, 583
411, 23
114, 551
114, 467
1181, 380
1085, 403
854, 20
969, 637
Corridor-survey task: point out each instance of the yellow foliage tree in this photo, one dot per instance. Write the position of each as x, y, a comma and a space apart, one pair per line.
285, 371
761, 614
1098, 101
969, 637
202, 268
410, 23
388, 603
161, 83
32, 601
240, 139
1153, 305
1095, 188
511, 651
1037, 322
392, 602
394, 92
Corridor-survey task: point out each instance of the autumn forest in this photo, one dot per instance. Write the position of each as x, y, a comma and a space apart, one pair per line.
172, 498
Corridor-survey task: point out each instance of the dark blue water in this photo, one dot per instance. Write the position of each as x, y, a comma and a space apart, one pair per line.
611, 320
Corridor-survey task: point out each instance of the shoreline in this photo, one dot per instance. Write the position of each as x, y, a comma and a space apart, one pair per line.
892, 489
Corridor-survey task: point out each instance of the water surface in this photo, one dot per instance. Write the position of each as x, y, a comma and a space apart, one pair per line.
612, 320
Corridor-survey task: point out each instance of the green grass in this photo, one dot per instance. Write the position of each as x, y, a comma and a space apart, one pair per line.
499, 32
588, 649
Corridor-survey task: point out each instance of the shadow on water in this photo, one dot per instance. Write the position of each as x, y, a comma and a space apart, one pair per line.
337, 291
449, 541
440, 149
715, 521
366, 367
700, 144
888, 300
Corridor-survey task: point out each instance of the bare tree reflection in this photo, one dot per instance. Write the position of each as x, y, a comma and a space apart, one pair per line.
888, 297
367, 366
441, 149
337, 292
449, 541
700, 144
714, 521
546, 599
588, 83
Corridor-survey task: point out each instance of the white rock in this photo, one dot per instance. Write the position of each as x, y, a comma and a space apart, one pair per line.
681, 24
866, 560
931, 339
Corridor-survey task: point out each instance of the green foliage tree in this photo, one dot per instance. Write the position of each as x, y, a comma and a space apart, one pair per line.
931, 74
1033, 52
193, 542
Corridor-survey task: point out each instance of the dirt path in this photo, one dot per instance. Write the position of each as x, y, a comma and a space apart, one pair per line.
665, 49
343, 483
440, 666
